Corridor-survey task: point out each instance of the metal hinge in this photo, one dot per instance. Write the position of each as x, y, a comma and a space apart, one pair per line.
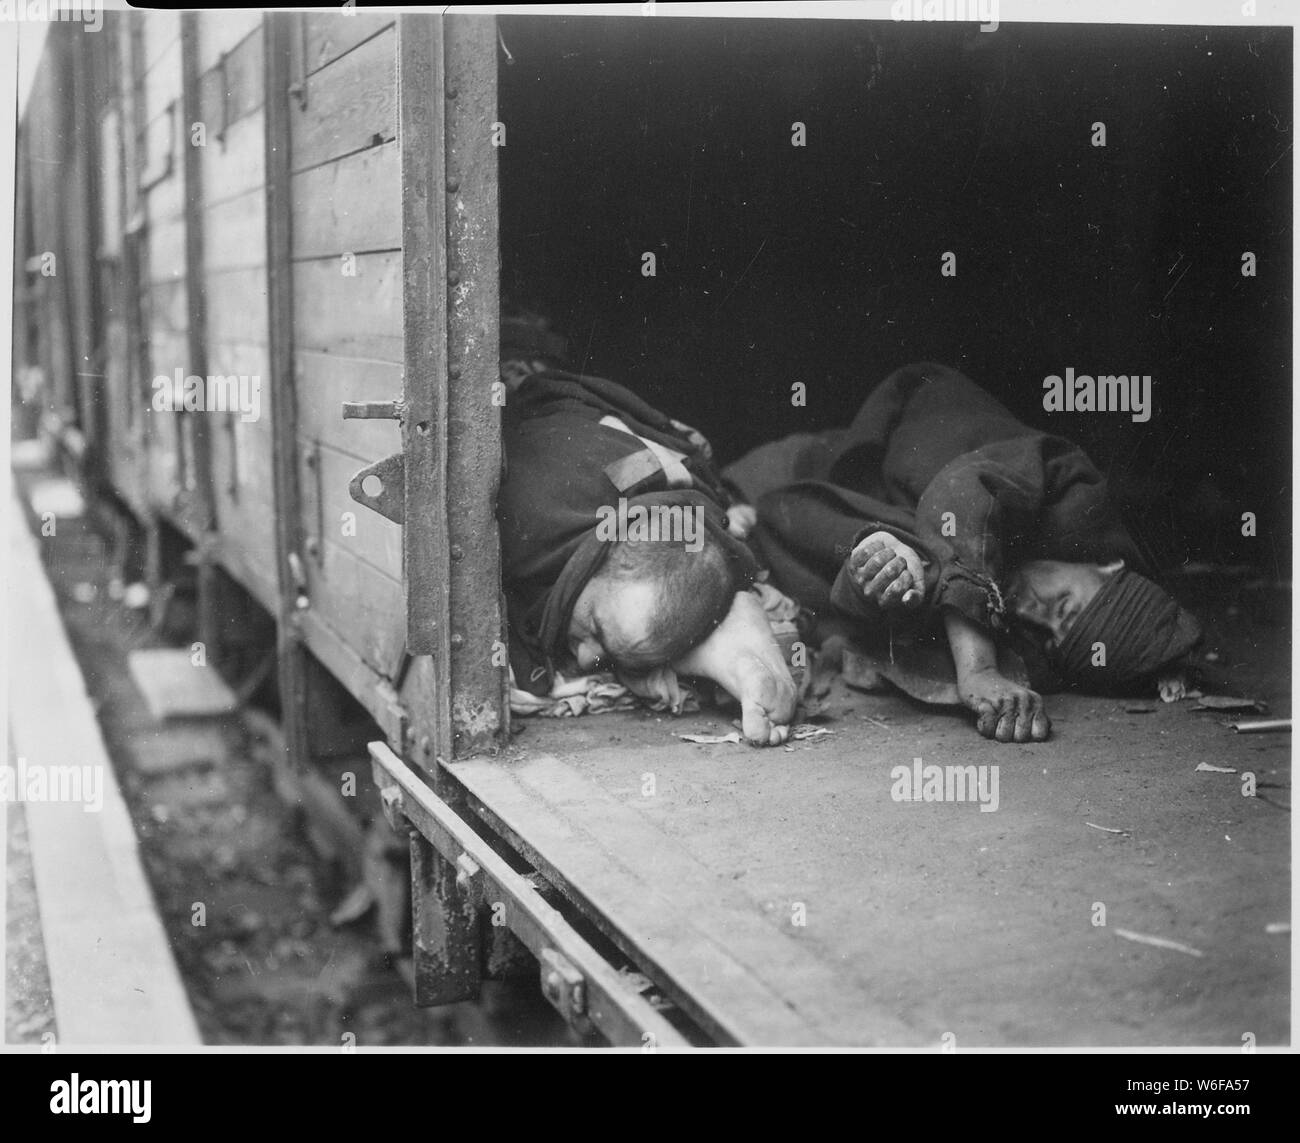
565, 989
381, 486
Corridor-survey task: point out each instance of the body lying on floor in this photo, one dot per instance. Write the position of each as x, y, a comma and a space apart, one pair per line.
941, 544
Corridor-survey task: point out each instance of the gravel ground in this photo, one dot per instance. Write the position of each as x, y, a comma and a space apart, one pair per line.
242, 895
29, 1007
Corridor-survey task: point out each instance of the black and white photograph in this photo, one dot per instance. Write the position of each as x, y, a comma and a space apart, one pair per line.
650, 527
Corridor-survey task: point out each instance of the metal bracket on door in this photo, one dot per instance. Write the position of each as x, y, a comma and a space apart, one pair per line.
389, 499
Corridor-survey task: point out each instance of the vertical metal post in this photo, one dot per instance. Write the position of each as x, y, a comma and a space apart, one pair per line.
200, 511
87, 329
479, 710
424, 288
137, 385
196, 295
451, 437
291, 654
425, 556
24, 320
60, 50
444, 929
452, 422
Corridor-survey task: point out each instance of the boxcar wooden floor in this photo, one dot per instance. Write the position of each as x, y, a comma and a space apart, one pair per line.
921, 919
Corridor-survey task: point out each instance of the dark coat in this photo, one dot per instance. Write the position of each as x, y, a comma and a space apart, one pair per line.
562, 468
928, 442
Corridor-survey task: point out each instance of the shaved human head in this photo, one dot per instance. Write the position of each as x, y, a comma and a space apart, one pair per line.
651, 601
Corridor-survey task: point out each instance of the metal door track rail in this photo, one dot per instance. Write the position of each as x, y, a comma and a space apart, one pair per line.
585, 988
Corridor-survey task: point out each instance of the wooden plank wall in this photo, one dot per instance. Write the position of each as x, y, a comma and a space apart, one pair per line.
157, 173
44, 144
127, 417
25, 352
347, 322
233, 179
123, 407
346, 265
79, 269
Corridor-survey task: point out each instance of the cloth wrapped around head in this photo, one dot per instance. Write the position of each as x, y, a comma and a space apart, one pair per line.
1141, 627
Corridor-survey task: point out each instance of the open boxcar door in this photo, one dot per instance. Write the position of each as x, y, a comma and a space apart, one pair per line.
472, 906
552, 836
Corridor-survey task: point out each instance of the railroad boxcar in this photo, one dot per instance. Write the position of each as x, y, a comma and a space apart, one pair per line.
334, 203
309, 201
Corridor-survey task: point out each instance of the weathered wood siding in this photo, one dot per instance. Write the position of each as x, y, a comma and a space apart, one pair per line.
347, 320
232, 178
154, 76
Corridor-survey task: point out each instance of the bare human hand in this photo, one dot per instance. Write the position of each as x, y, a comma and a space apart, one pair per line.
888, 572
1004, 710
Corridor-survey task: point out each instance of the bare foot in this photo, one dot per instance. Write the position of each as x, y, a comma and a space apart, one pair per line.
744, 658
888, 572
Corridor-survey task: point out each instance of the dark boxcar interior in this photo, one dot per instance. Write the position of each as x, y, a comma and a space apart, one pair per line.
821, 263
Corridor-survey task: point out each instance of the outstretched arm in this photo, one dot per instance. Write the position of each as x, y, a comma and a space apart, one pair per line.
1004, 709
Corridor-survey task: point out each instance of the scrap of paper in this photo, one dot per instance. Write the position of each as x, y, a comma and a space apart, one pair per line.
1229, 702
711, 739
804, 731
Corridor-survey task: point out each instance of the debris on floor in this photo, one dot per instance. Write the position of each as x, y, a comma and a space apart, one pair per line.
711, 739
800, 734
804, 732
1108, 829
1230, 702
1262, 725
1158, 942
1210, 768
